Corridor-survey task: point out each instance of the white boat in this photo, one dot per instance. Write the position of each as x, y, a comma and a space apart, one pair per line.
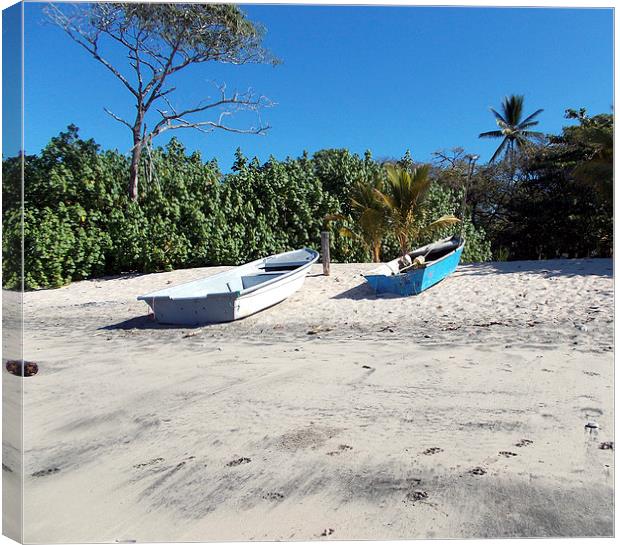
233, 294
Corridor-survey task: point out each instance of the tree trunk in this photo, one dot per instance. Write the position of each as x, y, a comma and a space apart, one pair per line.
325, 252
376, 253
134, 174
136, 152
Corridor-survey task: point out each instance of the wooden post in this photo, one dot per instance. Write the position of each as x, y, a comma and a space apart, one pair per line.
325, 251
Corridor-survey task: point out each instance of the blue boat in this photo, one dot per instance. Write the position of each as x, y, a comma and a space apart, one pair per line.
429, 265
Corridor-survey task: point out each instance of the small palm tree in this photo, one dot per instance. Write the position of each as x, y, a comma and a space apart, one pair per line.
512, 128
368, 214
402, 203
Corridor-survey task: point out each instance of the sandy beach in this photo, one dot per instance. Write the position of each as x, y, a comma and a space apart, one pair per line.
333, 415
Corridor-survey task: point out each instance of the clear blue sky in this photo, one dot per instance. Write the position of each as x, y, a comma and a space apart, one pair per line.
378, 78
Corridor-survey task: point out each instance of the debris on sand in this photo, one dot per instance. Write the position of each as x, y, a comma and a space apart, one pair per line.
478, 471
524, 443
432, 450
592, 425
318, 329
606, 445
273, 496
238, 462
149, 463
327, 532
45, 472
415, 496
341, 449
15, 368
507, 453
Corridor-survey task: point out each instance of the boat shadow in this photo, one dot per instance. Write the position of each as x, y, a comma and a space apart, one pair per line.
364, 291
148, 322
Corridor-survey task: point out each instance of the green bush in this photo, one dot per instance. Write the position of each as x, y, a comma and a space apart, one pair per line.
79, 223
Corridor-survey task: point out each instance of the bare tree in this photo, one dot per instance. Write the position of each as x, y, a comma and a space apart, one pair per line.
161, 40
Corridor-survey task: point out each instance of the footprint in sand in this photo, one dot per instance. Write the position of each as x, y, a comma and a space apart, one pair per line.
272, 496
341, 449
45, 472
238, 462
524, 443
591, 412
149, 463
415, 496
478, 471
506, 453
432, 450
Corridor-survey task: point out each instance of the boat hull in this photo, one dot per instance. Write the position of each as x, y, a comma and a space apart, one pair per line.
416, 281
220, 307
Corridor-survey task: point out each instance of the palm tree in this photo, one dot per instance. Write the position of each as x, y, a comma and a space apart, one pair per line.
368, 214
402, 202
512, 128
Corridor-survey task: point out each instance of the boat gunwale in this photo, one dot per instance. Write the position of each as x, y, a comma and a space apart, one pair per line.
243, 292
424, 267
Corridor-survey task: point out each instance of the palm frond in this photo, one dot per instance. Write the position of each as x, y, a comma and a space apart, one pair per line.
499, 150
533, 134
491, 134
527, 125
532, 116
333, 217
346, 232
385, 199
497, 115
512, 108
442, 222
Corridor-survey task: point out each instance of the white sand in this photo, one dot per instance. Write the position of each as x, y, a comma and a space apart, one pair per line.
330, 401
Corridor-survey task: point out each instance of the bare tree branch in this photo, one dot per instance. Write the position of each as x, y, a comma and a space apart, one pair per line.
90, 43
119, 119
164, 39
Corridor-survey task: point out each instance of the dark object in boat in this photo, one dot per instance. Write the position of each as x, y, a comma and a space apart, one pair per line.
430, 264
21, 368
436, 250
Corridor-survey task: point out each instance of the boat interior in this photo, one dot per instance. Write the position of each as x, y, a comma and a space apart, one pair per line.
240, 278
431, 252
436, 250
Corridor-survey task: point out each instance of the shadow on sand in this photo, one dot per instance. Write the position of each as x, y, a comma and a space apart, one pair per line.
549, 268
364, 291
139, 322
147, 322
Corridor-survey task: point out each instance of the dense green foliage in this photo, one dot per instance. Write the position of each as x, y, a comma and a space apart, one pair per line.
393, 202
79, 221
553, 200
